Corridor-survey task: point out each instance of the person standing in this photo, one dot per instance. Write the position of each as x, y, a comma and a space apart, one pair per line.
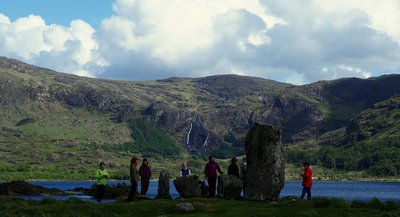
233, 168
134, 173
101, 176
243, 168
307, 181
185, 171
203, 188
145, 175
210, 172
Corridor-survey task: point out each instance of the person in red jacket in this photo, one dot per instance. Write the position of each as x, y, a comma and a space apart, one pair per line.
211, 173
307, 181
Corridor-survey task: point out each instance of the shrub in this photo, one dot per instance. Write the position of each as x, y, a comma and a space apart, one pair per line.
25, 121
322, 202
149, 138
24, 168
391, 205
6, 168
376, 204
49, 200
358, 204
74, 200
340, 203
383, 169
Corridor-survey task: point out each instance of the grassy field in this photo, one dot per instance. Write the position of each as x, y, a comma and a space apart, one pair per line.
203, 207
73, 170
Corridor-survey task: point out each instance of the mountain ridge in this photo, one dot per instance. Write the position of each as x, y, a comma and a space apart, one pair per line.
201, 115
223, 92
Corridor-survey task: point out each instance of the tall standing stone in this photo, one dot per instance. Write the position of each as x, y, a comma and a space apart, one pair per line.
163, 185
265, 175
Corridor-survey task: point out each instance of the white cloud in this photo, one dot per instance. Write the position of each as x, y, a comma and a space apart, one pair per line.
179, 37
292, 41
296, 78
197, 38
318, 35
384, 15
4, 19
23, 37
68, 49
341, 71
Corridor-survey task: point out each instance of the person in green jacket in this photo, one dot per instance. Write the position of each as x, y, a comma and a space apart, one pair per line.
101, 176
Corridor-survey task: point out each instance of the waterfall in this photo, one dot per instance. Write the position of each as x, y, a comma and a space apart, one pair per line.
205, 142
188, 135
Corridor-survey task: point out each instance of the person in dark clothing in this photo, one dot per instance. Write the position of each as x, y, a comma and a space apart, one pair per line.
101, 189
211, 174
233, 168
307, 181
134, 173
145, 175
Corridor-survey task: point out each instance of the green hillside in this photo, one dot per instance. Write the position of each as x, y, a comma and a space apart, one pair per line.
370, 142
60, 126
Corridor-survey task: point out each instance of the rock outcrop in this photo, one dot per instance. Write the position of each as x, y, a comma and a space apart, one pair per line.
189, 127
163, 185
187, 186
229, 187
24, 188
265, 175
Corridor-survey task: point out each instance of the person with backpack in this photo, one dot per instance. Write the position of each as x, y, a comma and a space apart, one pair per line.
145, 176
307, 181
101, 176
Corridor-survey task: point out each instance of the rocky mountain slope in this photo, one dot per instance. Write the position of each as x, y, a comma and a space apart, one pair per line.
200, 115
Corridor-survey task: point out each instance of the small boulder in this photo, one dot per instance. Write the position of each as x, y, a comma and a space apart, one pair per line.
184, 206
53, 157
187, 186
163, 185
229, 187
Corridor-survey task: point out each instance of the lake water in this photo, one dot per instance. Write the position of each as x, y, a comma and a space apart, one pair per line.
346, 190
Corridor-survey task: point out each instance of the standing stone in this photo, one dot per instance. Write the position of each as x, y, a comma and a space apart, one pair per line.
187, 186
265, 175
229, 187
163, 185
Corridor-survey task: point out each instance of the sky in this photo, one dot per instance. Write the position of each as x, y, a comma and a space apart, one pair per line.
297, 42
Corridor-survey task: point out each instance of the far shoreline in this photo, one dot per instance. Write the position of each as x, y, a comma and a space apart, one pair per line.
155, 180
